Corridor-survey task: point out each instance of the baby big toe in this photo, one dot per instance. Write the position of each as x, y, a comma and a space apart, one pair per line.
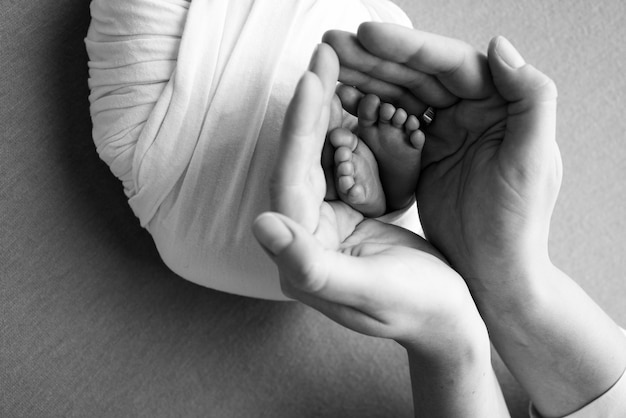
368, 110
387, 110
343, 138
350, 98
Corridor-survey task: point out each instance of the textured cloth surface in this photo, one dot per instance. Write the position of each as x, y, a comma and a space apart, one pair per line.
187, 104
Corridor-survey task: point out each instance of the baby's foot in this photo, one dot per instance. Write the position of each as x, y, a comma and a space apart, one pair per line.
336, 120
356, 174
395, 140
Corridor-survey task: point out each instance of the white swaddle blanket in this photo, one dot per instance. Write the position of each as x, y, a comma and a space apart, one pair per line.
187, 101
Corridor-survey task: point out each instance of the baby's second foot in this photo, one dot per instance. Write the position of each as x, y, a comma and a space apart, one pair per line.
356, 174
395, 140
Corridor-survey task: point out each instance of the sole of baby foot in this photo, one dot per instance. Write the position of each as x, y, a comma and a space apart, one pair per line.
396, 142
356, 173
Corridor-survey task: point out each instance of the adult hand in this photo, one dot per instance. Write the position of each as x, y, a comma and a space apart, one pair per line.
491, 166
372, 277
491, 175
328, 254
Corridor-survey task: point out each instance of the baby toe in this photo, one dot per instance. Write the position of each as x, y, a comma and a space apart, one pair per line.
417, 139
345, 169
399, 118
336, 113
387, 110
345, 184
350, 98
342, 155
412, 123
368, 110
342, 137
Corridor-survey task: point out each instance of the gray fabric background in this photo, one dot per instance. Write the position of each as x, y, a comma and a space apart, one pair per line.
93, 324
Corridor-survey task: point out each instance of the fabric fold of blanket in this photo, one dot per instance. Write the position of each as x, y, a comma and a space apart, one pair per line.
187, 101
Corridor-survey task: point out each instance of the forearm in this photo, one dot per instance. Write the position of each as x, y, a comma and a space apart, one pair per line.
562, 348
460, 383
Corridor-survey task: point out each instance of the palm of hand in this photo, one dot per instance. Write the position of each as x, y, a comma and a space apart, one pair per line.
418, 284
418, 296
489, 177
473, 196
339, 227
363, 257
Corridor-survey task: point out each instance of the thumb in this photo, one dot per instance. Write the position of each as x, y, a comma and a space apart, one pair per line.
531, 97
306, 267
297, 254
271, 232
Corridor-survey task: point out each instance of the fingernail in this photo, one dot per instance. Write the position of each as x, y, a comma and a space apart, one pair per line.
272, 233
508, 53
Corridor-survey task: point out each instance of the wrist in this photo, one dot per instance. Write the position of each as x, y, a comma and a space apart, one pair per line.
513, 286
458, 380
456, 358
558, 343
461, 340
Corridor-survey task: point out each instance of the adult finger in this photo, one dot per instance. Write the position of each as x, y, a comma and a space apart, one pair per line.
307, 114
298, 137
309, 105
457, 65
531, 97
298, 185
325, 64
376, 75
388, 92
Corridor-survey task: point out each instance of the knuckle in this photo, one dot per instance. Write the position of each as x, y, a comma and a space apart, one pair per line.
544, 87
548, 88
311, 276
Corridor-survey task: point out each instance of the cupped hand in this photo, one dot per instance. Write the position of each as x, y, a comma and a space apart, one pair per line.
375, 278
491, 166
